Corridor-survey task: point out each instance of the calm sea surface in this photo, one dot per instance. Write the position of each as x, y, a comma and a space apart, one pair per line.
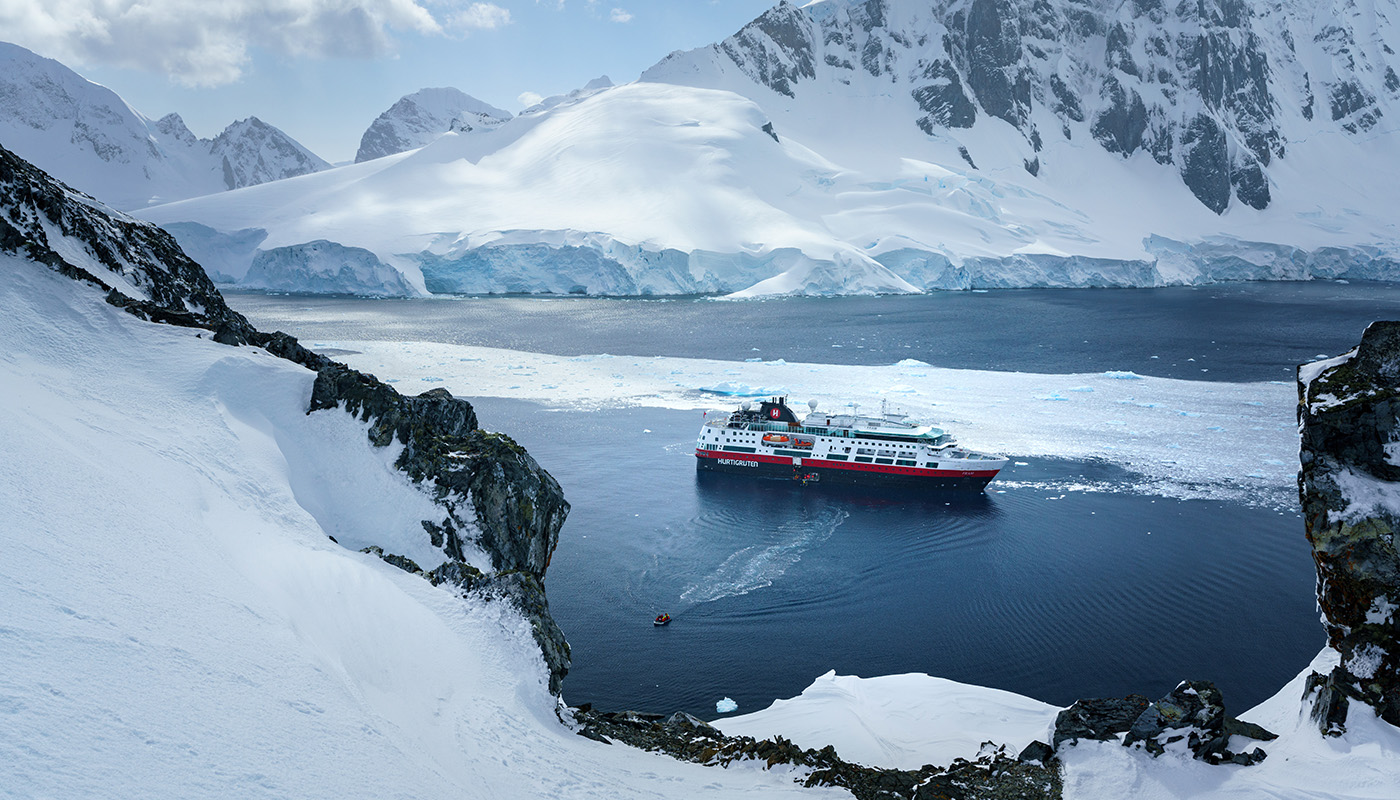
1039, 588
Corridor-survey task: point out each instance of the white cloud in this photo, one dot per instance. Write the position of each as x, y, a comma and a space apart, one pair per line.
208, 43
620, 15
527, 99
479, 17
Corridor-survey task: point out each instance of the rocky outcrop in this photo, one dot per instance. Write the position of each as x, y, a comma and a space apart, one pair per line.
1193, 714
994, 774
493, 495
1349, 486
1097, 719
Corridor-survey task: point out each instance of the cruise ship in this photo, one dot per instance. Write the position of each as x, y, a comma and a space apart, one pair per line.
845, 448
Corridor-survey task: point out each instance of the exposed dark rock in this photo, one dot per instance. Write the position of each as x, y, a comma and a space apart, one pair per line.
775, 50
1100, 719
1066, 102
1032, 165
992, 61
1117, 52
1119, 127
1037, 752
179, 291
943, 100
1349, 420
994, 774
402, 562
1206, 164
1251, 184
1194, 712
966, 156
1352, 103
768, 129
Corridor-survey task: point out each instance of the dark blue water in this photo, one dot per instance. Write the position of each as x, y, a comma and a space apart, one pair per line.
1236, 332
1034, 587
1051, 593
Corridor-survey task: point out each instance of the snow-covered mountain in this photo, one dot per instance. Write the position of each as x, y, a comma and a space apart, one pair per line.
423, 116
87, 136
1218, 90
892, 146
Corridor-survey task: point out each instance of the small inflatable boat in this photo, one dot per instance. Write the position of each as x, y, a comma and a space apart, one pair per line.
664, 619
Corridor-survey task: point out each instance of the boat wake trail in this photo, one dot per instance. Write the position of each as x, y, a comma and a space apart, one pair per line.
757, 566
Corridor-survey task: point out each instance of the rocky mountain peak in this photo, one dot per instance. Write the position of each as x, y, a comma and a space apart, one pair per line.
251, 152
87, 136
417, 119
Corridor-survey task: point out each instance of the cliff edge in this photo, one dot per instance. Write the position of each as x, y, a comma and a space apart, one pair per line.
1349, 487
491, 494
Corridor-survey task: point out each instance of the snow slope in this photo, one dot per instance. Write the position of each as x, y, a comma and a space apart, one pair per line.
176, 614
88, 137
639, 189
858, 147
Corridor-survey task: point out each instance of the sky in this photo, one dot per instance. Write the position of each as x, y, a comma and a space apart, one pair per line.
322, 70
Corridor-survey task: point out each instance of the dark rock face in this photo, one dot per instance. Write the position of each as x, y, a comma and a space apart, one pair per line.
1194, 712
992, 60
1349, 485
942, 99
994, 774
492, 493
1120, 126
180, 292
776, 49
1100, 720
1206, 166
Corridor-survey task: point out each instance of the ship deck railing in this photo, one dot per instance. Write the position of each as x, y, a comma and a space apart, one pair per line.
931, 438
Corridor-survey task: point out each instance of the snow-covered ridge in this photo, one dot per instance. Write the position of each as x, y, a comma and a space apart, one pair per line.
88, 137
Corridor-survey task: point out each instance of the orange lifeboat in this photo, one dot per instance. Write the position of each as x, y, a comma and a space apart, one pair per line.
775, 438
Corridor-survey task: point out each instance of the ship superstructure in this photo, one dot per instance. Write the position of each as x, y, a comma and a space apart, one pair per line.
846, 447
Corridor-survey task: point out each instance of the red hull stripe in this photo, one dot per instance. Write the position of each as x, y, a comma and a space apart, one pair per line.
854, 467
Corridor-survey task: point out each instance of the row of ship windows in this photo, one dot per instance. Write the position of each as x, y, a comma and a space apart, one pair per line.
733, 448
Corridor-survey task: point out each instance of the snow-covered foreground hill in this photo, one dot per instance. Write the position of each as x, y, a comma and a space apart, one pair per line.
177, 618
